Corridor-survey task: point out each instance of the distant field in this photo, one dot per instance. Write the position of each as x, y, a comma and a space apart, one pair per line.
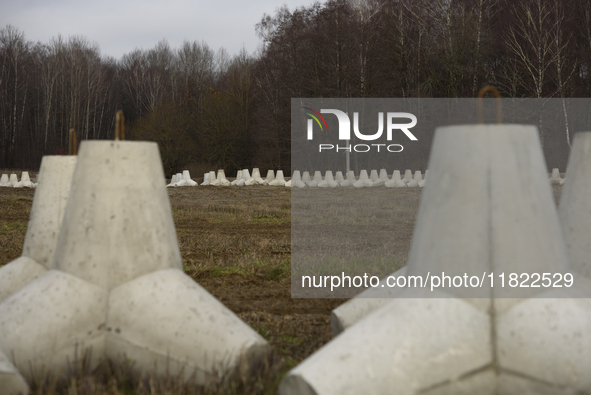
236, 243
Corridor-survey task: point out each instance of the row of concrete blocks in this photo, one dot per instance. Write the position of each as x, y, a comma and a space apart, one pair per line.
101, 270
182, 180
487, 208
243, 178
364, 180
13, 181
555, 178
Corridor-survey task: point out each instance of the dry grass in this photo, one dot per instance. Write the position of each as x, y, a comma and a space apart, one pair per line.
236, 242
15, 207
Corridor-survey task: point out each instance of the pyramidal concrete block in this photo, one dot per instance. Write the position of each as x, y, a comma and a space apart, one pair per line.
396, 181
490, 181
221, 178
418, 176
213, 180
25, 181
363, 181
180, 182
244, 175
11, 382
270, 177
350, 180
296, 180
407, 175
238, 177
306, 176
118, 240
555, 178
374, 175
424, 181
13, 180
313, 182
4, 180
205, 179
45, 220
328, 181
575, 209
187, 179
173, 181
279, 179
256, 178
318, 176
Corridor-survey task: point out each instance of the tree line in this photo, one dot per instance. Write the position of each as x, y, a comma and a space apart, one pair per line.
210, 109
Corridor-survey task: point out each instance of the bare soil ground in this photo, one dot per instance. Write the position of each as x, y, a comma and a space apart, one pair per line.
236, 243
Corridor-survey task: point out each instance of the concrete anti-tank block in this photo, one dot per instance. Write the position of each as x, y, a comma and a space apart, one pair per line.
395, 181
505, 201
306, 176
205, 179
575, 209
279, 180
126, 241
409, 345
172, 181
296, 180
186, 180
115, 236
270, 177
499, 200
49, 207
373, 175
213, 179
544, 339
52, 319
407, 175
238, 177
555, 178
45, 220
221, 178
163, 314
364, 181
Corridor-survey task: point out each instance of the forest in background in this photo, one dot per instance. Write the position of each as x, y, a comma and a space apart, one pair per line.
208, 109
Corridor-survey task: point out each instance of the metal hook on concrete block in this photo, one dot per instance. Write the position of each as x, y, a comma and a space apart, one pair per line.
119, 126
73, 148
495, 92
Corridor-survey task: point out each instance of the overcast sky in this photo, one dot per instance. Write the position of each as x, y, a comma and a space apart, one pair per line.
118, 27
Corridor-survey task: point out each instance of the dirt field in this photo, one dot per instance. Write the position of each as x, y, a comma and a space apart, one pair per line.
236, 243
